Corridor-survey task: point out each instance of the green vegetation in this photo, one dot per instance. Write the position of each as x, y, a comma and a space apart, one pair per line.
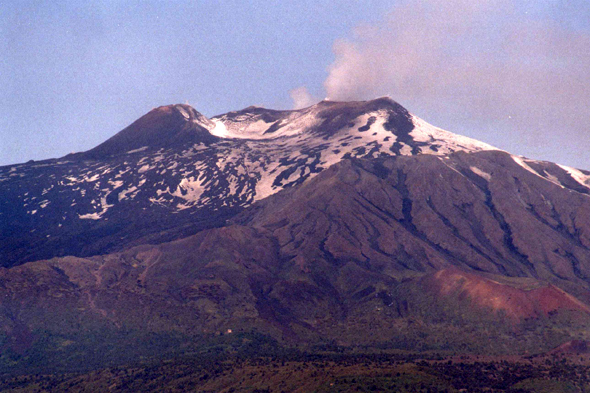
546, 386
97, 349
406, 338
432, 327
402, 383
321, 373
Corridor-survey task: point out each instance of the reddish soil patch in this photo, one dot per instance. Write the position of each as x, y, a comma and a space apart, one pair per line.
516, 303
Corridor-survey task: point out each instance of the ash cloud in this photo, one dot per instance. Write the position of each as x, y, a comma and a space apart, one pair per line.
509, 64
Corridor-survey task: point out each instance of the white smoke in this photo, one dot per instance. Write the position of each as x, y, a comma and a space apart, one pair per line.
301, 98
409, 49
464, 59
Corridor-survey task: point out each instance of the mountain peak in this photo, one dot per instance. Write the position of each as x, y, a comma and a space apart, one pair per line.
256, 122
384, 101
162, 127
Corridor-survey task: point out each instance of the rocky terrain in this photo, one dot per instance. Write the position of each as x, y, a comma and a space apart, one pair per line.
344, 225
174, 172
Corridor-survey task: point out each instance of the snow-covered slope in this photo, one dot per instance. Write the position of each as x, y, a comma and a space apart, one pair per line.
174, 168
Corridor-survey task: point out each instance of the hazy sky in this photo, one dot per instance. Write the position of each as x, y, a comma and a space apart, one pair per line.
515, 74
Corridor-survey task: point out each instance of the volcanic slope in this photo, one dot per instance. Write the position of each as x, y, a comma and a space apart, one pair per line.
174, 172
411, 252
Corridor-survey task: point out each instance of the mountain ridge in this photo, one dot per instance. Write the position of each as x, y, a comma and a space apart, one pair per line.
173, 161
352, 224
328, 260
162, 127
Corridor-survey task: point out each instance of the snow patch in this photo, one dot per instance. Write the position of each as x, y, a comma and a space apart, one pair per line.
481, 173
123, 194
190, 189
97, 215
577, 175
116, 183
521, 161
183, 112
137, 150
144, 169
90, 216
448, 141
220, 130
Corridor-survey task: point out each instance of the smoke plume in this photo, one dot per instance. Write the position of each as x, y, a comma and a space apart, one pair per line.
301, 98
459, 60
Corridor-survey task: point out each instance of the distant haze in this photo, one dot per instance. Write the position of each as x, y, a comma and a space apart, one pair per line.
514, 74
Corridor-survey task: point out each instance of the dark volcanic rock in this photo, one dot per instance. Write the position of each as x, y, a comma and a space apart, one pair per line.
357, 255
318, 226
163, 127
482, 212
174, 172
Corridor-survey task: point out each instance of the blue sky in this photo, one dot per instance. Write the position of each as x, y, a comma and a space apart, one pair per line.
511, 73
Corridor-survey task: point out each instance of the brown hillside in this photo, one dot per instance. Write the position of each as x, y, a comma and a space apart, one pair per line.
339, 259
514, 302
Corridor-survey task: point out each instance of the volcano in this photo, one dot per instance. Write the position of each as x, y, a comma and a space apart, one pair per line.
349, 223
